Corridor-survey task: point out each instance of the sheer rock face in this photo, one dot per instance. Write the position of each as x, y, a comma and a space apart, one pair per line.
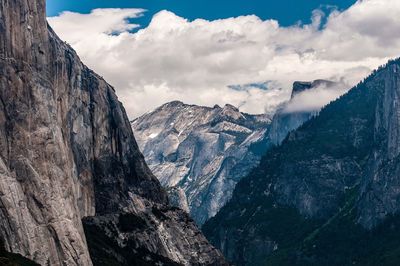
341, 167
67, 152
381, 187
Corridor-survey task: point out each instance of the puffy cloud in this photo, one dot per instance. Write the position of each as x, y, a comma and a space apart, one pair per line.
197, 61
314, 99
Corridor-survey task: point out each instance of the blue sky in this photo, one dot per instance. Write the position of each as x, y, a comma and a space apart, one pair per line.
287, 12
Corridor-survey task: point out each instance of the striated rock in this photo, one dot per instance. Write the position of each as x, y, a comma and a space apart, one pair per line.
203, 151
67, 152
329, 194
40, 186
380, 189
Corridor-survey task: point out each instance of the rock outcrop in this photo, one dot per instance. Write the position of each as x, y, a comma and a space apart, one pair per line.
67, 152
329, 195
302, 86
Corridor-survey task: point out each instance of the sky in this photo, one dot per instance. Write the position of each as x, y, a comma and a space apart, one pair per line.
287, 12
245, 53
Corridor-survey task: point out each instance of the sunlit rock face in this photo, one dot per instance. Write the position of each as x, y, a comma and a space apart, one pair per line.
67, 153
204, 151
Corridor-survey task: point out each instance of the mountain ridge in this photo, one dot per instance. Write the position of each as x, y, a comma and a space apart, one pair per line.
325, 190
188, 146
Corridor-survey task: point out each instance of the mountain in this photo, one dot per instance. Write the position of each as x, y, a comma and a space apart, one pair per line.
286, 120
74, 187
206, 151
330, 194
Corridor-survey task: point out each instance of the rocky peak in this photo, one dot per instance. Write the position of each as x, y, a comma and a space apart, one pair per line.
203, 151
173, 105
284, 122
301, 86
230, 107
231, 111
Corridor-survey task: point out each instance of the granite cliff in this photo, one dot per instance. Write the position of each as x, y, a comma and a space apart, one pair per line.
67, 155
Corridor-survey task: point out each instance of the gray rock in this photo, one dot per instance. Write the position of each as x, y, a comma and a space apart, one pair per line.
177, 198
67, 152
149, 234
204, 151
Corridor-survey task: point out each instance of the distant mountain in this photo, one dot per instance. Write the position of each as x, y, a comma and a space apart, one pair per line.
286, 120
330, 194
206, 151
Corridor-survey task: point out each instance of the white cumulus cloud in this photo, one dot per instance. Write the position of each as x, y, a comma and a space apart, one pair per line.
198, 61
315, 98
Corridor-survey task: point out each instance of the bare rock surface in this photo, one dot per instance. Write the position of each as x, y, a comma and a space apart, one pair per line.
177, 198
67, 152
203, 151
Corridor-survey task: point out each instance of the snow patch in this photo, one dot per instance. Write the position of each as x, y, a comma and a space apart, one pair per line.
153, 135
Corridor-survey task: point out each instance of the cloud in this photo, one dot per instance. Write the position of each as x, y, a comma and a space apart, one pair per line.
315, 98
197, 61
